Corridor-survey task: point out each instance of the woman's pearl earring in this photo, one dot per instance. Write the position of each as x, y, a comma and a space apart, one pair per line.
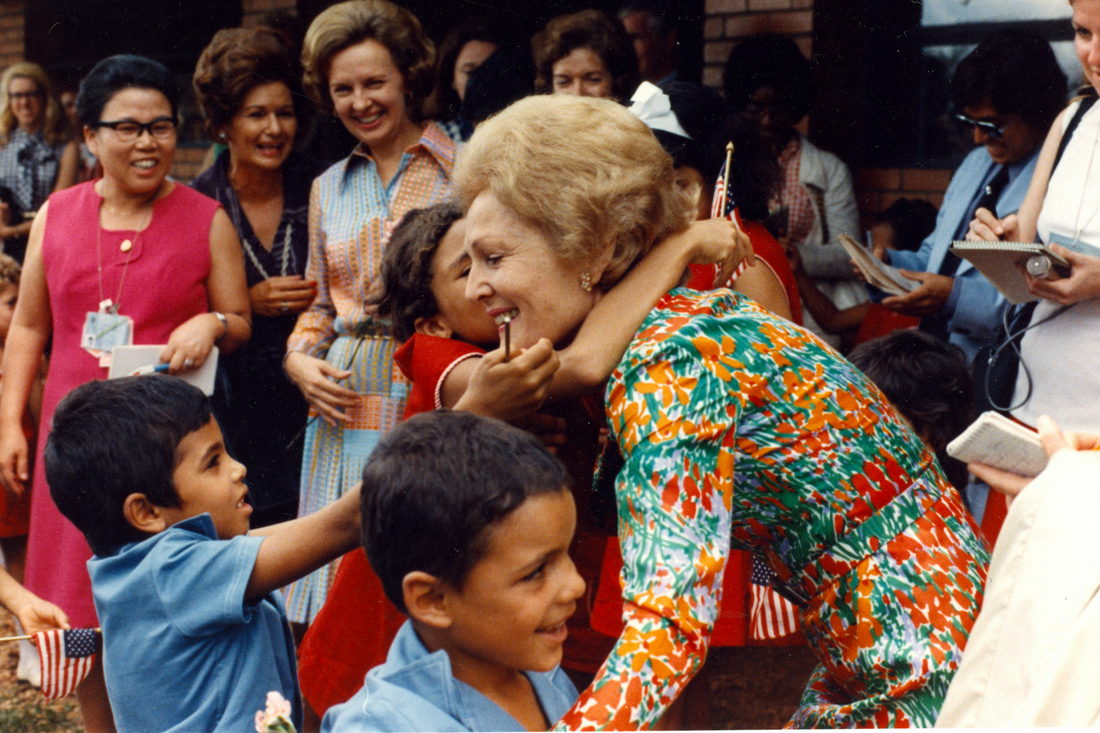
586, 282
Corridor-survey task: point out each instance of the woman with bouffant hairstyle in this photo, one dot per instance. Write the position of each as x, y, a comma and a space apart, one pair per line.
247, 81
736, 427
350, 23
370, 62
617, 194
587, 54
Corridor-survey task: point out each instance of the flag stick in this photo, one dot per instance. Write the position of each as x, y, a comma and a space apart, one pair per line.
726, 184
27, 637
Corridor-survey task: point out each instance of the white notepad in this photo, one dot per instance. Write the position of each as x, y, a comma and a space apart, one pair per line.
996, 441
125, 360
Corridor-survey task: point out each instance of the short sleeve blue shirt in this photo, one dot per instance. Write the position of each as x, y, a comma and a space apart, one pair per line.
182, 649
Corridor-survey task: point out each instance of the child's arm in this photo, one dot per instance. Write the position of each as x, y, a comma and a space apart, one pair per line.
825, 314
33, 613
610, 326
293, 549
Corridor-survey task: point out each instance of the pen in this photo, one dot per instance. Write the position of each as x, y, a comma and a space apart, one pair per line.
151, 369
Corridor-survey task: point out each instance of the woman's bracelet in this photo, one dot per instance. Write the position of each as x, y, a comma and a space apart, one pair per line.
225, 324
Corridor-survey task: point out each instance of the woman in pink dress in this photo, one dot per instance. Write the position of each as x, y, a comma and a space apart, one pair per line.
130, 250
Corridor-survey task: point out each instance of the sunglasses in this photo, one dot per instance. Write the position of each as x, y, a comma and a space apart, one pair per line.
995, 131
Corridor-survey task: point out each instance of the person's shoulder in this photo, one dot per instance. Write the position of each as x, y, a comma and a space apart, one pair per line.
381, 706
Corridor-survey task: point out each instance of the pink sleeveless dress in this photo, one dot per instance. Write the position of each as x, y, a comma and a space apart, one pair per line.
164, 285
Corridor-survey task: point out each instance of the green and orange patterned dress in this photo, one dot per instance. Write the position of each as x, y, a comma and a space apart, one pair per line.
739, 428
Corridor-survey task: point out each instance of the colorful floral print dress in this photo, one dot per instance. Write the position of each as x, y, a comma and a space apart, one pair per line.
736, 424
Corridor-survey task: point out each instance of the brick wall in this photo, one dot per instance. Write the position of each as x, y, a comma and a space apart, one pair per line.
878, 188
11, 32
730, 20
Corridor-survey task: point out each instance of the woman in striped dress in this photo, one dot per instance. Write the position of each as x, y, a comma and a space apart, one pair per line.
371, 63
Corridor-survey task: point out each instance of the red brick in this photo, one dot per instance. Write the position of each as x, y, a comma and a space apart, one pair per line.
712, 76
919, 179
799, 4
880, 179
713, 27
746, 25
805, 45
717, 7
716, 52
769, 4
792, 23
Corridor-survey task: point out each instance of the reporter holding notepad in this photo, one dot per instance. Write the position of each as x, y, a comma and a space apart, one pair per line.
1060, 349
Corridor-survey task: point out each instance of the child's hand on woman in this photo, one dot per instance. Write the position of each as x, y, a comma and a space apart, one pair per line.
512, 389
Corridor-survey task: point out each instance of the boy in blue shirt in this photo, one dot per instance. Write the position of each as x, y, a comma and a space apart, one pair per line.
467, 521
194, 632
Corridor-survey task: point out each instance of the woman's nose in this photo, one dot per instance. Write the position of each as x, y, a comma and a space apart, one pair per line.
476, 287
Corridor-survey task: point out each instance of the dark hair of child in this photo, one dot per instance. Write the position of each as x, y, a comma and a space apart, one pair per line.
929, 382
406, 293
436, 483
114, 438
911, 219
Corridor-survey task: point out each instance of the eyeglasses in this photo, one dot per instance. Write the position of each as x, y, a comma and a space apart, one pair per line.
989, 128
24, 95
162, 128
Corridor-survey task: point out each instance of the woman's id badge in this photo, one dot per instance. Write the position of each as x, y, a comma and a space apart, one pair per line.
104, 330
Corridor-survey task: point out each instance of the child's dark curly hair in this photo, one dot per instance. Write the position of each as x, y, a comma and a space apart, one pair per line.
406, 293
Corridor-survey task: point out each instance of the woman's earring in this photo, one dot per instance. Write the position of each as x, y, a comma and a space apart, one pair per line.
586, 282
221, 136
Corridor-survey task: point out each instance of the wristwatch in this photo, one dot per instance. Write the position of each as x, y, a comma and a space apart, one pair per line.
225, 323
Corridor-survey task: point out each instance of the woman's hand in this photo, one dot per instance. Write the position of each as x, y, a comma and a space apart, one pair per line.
13, 458
1083, 282
278, 296
316, 379
509, 390
1054, 440
191, 342
986, 227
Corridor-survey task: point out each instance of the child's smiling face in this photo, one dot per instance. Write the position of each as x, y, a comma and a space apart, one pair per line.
465, 319
206, 479
511, 610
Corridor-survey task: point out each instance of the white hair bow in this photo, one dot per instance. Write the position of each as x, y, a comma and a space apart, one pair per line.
652, 106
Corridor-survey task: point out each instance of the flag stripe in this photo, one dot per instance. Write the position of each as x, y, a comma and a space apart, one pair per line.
67, 657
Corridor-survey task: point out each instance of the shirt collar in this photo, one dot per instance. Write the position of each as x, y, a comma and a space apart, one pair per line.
434, 142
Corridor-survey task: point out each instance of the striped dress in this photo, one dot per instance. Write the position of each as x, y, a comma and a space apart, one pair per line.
351, 216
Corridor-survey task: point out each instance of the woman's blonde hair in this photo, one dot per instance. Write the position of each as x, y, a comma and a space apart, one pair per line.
345, 24
53, 124
584, 170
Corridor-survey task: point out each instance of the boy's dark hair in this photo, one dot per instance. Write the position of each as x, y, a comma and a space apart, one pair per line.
113, 438
929, 382
911, 219
436, 483
406, 293
1019, 74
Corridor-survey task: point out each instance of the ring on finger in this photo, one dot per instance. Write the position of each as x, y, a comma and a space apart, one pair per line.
283, 307
188, 363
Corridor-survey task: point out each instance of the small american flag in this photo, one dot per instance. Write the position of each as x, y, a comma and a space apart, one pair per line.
771, 616
67, 657
730, 212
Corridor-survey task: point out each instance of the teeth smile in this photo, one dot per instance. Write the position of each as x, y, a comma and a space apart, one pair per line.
370, 119
145, 164
506, 316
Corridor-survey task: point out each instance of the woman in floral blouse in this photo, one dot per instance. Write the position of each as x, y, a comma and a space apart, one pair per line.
735, 427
